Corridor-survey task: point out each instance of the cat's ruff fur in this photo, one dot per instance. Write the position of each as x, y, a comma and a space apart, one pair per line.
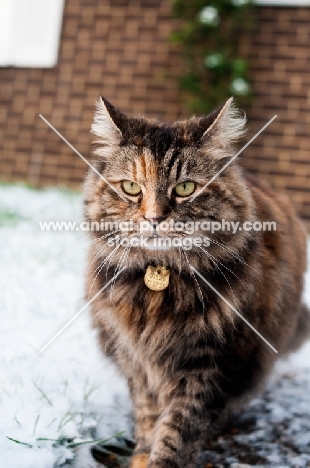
187, 357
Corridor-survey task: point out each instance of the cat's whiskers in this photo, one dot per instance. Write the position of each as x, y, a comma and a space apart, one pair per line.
180, 258
101, 249
120, 266
223, 246
85, 243
220, 263
117, 268
226, 279
101, 267
195, 279
99, 252
216, 264
102, 264
110, 257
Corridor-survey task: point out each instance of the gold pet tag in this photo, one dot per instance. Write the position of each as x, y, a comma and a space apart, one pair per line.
157, 278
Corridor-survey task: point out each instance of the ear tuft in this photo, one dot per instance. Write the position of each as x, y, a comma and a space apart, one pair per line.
227, 129
104, 129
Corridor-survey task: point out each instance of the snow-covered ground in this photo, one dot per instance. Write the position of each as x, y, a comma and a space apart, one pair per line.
70, 393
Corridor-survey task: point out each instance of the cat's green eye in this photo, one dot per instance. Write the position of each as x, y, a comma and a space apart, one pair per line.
131, 188
184, 189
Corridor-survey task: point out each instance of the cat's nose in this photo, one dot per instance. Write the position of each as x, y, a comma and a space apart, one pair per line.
153, 219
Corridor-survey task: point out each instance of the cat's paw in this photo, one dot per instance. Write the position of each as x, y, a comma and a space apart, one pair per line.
140, 460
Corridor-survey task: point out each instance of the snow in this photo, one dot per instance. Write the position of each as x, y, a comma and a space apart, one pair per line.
70, 392
63, 392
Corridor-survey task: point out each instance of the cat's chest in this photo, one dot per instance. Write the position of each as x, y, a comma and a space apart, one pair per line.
156, 346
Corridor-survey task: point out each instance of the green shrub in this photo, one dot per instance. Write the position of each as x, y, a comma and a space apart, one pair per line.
209, 35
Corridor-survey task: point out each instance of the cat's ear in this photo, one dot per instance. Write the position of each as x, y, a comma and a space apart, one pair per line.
108, 123
227, 127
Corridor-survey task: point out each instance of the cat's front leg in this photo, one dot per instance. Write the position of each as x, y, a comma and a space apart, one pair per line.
176, 440
146, 414
181, 430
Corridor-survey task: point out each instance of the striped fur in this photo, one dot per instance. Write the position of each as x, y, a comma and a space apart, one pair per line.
187, 357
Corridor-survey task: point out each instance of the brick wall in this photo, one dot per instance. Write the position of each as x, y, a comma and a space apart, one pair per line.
279, 54
115, 48
119, 49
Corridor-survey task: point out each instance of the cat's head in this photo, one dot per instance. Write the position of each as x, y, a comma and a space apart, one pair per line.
155, 173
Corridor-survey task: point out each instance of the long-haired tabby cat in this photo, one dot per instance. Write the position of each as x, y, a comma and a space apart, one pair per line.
187, 356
